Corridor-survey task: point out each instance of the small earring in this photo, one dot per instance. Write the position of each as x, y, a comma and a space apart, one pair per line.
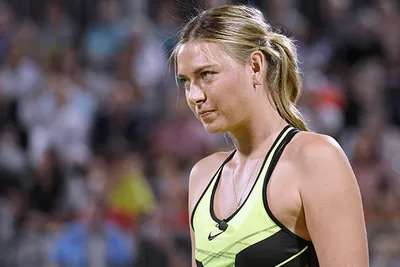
255, 81
255, 85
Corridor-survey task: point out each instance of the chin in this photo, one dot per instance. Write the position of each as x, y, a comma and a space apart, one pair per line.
214, 128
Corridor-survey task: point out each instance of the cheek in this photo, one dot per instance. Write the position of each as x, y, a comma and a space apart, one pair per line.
230, 108
228, 96
233, 104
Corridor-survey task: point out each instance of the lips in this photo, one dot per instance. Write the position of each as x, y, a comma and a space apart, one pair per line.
205, 113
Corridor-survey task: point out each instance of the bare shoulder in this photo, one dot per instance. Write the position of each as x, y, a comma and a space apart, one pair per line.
202, 173
309, 149
206, 166
322, 166
319, 160
331, 200
305, 143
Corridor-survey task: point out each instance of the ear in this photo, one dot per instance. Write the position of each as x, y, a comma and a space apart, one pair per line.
257, 64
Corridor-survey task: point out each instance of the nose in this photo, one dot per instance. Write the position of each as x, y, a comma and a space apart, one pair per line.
196, 95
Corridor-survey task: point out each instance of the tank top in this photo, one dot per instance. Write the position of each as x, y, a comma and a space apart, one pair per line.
251, 236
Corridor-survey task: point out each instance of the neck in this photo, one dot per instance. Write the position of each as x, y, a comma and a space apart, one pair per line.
258, 132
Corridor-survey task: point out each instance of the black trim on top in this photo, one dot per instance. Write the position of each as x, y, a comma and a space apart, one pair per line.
212, 213
199, 264
209, 183
279, 247
275, 159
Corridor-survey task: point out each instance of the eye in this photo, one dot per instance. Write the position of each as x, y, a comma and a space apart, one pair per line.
184, 83
207, 75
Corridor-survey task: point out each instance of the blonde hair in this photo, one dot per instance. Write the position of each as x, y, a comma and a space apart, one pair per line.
241, 30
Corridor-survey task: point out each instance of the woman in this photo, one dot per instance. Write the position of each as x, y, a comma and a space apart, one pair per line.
251, 207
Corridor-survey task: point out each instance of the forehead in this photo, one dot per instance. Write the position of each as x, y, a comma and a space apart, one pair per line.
194, 55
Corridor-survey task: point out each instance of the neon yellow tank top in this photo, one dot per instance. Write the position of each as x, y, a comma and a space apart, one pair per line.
252, 236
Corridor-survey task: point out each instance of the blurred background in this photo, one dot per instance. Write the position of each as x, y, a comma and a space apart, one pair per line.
96, 141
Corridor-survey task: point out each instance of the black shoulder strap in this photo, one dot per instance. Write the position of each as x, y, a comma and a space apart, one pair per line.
216, 175
271, 167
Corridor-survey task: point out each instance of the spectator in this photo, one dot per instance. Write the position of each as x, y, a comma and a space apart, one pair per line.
58, 32
103, 37
47, 194
130, 195
88, 106
92, 241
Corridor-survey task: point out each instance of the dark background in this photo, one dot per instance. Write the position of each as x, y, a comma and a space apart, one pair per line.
96, 141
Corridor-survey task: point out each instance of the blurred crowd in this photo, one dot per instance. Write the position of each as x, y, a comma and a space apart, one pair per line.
96, 141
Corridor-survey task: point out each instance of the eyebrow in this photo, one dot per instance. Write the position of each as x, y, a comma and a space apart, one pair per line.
197, 70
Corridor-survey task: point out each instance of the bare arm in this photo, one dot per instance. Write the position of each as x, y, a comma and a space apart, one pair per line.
193, 180
200, 176
191, 207
193, 250
332, 204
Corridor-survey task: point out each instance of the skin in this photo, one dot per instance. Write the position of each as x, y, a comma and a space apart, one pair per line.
313, 190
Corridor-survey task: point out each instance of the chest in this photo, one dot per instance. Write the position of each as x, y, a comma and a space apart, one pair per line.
251, 238
280, 193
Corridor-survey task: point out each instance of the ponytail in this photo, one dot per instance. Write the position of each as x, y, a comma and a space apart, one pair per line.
284, 80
